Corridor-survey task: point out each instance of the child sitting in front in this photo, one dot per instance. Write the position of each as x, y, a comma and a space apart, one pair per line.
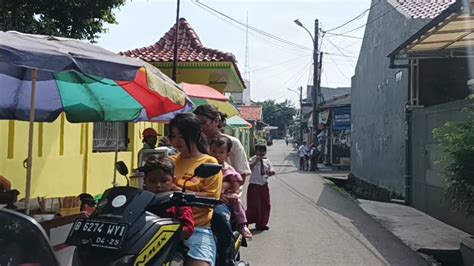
159, 177
220, 149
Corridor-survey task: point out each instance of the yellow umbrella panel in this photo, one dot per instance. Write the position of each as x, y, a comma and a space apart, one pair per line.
225, 107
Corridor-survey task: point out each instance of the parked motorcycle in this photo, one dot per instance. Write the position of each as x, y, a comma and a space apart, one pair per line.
125, 230
23, 241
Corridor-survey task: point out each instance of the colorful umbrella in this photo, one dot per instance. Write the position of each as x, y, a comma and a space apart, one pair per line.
83, 80
225, 107
86, 98
203, 92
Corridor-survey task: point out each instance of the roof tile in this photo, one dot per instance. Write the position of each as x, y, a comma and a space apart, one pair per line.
251, 112
190, 48
423, 8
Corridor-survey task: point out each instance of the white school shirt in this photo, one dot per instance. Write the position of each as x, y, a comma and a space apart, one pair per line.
256, 177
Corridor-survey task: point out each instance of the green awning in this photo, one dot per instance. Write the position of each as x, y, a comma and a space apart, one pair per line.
238, 122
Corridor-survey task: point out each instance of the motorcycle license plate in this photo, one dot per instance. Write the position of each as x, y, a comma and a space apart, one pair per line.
102, 234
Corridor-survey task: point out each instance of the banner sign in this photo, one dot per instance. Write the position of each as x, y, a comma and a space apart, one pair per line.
323, 117
342, 118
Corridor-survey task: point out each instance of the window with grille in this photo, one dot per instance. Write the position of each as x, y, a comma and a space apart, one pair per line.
106, 135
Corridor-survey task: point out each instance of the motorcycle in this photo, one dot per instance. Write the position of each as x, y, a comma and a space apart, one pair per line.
23, 241
125, 230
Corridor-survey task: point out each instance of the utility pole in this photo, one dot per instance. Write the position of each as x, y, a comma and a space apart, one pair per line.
301, 114
175, 54
315, 83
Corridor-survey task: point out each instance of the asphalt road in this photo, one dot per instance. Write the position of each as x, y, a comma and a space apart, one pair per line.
312, 223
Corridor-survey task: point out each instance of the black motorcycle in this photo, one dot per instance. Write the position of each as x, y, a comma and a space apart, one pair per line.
125, 230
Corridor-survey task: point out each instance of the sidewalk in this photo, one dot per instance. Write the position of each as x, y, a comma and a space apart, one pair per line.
419, 231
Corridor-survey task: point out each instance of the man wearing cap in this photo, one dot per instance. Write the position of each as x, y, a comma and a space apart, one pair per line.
150, 137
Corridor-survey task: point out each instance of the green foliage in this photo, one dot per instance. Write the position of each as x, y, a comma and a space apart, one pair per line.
278, 114
78, 19
457, 143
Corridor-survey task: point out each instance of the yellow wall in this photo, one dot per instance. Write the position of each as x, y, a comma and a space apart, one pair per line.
63, 161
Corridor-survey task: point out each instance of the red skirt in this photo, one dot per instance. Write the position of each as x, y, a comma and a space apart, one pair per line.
258, 205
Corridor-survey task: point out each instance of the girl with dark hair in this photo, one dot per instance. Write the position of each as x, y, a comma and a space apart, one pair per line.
258, 194
186, 137
212, 121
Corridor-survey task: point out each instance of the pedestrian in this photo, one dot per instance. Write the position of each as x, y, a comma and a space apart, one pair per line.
303, 153
287, 139
314, 154
258, 194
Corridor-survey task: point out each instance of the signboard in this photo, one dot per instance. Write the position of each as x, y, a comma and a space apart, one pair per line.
342, 118
323, 117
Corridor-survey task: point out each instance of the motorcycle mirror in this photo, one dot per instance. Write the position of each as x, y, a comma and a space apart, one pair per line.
25, 240
121, 168
206, 170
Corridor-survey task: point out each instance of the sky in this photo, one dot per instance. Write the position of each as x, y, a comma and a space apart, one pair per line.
274, 67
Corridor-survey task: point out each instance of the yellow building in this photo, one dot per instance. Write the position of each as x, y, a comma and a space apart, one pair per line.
68, 158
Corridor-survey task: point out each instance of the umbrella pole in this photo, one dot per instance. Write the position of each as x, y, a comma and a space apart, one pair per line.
114, 182
29, 160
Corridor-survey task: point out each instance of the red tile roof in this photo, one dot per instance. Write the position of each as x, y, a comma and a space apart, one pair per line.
190, 48
251, 112
423, 8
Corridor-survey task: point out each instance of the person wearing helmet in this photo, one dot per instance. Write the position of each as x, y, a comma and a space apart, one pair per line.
150, 137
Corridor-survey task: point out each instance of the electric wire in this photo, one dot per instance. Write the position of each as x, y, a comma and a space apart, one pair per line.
342, 53
338, 68
361, 15
269, 42
373, 20
255, 29
342, 35
278, 64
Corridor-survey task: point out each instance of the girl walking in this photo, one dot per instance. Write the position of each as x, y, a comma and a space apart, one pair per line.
258, 194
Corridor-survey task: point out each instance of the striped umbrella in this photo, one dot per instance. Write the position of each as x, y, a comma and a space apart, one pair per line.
87, 98
42, 76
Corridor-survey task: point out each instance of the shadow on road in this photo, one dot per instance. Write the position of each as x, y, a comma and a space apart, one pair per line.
388, 245
334, 203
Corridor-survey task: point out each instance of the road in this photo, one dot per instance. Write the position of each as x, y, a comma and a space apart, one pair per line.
312, 223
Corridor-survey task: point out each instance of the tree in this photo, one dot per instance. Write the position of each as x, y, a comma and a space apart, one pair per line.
457, 143
278, 114
78, 19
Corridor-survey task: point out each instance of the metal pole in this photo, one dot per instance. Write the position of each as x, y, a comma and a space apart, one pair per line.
301, 114
114, 182
29, 160
175, 55
315, 82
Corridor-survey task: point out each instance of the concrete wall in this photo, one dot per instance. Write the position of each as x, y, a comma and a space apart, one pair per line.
428, 179
379, 99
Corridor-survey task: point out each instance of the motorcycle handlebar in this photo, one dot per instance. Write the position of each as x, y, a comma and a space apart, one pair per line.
164, 201
208, 202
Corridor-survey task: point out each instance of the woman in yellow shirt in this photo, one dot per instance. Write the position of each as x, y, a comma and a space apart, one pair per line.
186, 137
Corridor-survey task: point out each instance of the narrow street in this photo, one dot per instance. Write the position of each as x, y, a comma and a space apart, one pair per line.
311, 223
